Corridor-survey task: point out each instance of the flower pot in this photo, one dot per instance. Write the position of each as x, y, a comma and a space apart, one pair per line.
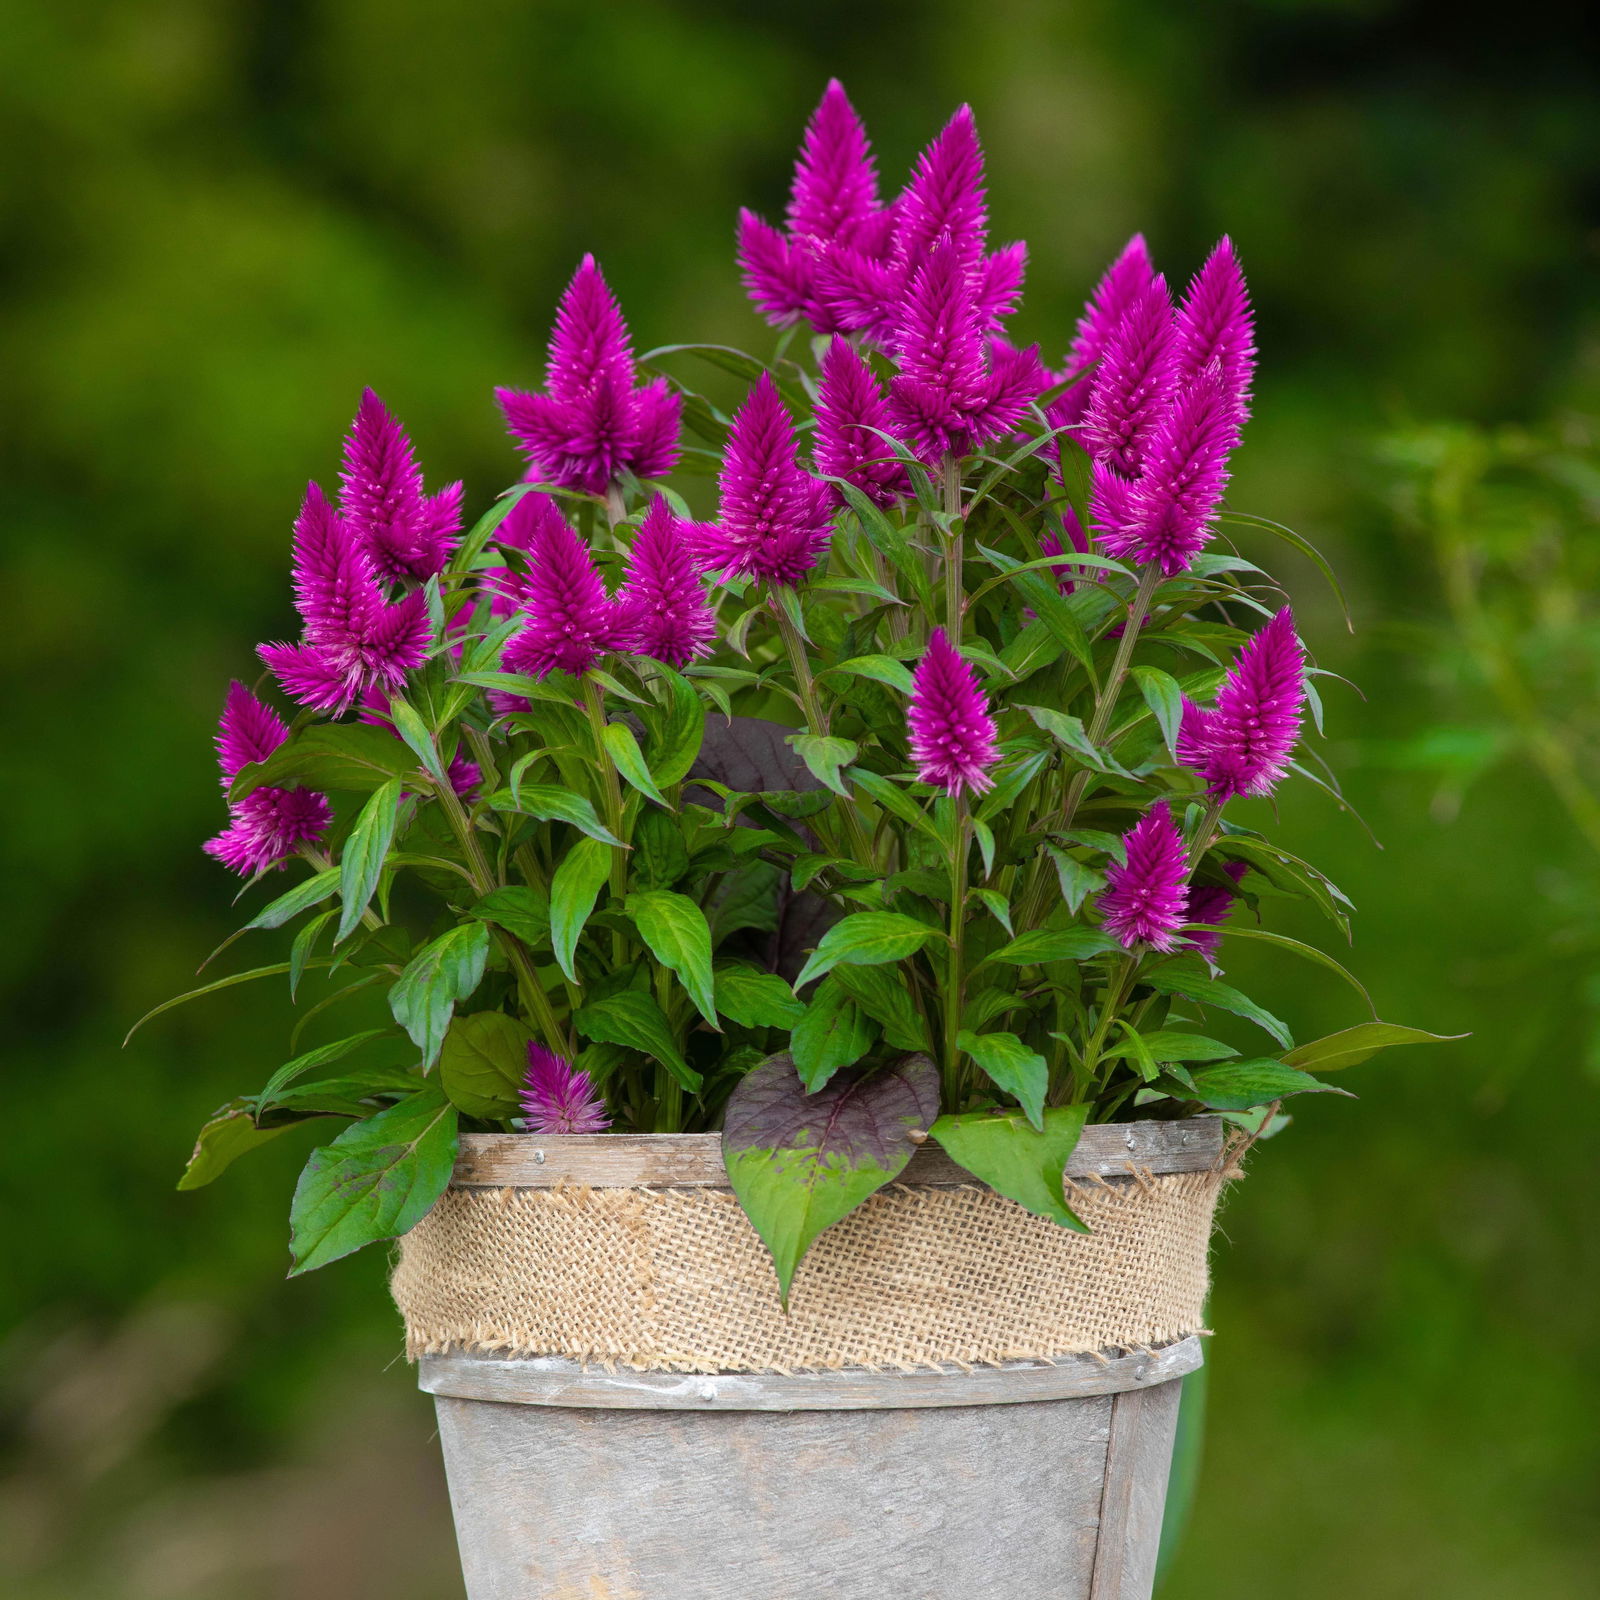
963, 1399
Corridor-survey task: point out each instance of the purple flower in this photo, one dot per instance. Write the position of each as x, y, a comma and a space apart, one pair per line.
571, 621
1211, 903
592, 424
407, 535
1244, 744
850, 404
1166, 515
1215, 324
268, 825
1133, 383
956, 389
663, 608
1051, 545
834, 198
560, 1098
519, 528
774, 518
1125, 280
952, 734
354, 638
1145, 900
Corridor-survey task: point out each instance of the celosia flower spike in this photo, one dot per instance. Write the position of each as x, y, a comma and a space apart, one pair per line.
1145, 900
1167, 514
953, 736
851, 404
1131, 387
1215, 324
774, 518
268, 825
1114, 296
1244, 744
1211, 904
592, 424
354, 638
518, 530
407, 535
560, 1098
571, 621
664, 613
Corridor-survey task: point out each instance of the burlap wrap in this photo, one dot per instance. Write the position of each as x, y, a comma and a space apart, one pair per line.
677, 1279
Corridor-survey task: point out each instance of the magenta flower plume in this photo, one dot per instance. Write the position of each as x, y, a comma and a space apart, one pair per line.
1125, 280
834, 198
592, 423
1145, 900
519, 529
774, 518
1167, 514
1132, 386
663, 610
268, 825
560, 1098
571, 621
354, 637
1215, 324
953, 736
407, 535
1211, 904
1050, 545
956, 389
850, 405
1244, 744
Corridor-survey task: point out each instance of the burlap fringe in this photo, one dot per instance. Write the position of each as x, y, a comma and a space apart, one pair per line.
677, 1279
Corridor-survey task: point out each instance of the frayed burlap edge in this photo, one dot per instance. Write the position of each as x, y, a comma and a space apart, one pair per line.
919, 1277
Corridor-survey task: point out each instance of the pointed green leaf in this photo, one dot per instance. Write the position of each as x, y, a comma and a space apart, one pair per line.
361, 862
626, 756
633, 1019
1164, 697
445, 970
229, 1132
484, 1063
323, 1056
882, 993
312, 891
550, 804
1023, 1163
1012, 1067
677, 729
1345, 1049
573, 891
833, 1033
1077, 881
865, 939
881, 669
1164, 1046
329, 756
1239, 1085
825, 756
1055, 944
414, 731
755, 999
678, 936
1187, 980
524, 913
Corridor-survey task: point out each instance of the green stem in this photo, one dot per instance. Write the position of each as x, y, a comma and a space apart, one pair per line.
611, 787
954, 550
955, 986
1116, 989
323, 862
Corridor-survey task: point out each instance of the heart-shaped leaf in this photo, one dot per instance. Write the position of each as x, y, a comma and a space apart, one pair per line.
484, 1062
1017, 1160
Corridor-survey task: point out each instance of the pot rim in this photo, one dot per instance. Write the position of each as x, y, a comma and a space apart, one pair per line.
694, 1160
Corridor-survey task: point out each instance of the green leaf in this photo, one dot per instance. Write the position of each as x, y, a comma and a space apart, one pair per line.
627, 758
323, 1056
800, 1162
997, 906
632, 1018
881, 992
523, 913
377, 1180
1023, 1163
660, 856
1239, 1085
550, 804
824, 756
229, 1133
483, 1063
1296, 542
219, 983
881, 669
1069, 733
676, 931
1164, 697
833, 1033
893, 798
1011, 1066
361, 863
755, 999
312, 891
1305, 951
1055, 944
1045, 597
415, 732
304, 943
329, 756
677, 729
865, 939
1077, 881
1193, 985
1163, 1046
573, 890
1345, 1049
447, 969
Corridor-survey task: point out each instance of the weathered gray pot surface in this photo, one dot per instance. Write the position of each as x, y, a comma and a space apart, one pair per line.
1033, 1481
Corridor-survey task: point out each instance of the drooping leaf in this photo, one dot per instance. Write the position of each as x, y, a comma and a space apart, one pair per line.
574, 889
800, 1162
834, 1032
522, 912
633, 1019
323, 1056
1012, 1067
1183, 978
1024, 1163
880, 669
865, 939
1164, 697
1164, 1046
229, 1132
1077, 881
1352, 1045
825, 755
1070, 733
361, 862
550, 804
755, 999
660, 856
375, 1181
445, 970
305, 894
483, 1063
216, 984
677, 729
676, 931
1239, 1085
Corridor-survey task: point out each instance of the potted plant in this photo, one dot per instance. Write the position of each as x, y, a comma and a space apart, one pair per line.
799, 923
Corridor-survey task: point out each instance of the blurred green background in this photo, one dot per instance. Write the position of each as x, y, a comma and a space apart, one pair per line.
222, 217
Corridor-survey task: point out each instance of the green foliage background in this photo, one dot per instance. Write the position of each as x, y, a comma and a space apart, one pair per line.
220, 218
